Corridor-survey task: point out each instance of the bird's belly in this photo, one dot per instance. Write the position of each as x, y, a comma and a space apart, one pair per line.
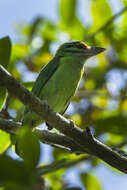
59, 89
56, 94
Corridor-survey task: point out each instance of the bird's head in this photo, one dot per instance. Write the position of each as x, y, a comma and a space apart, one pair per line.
79, 49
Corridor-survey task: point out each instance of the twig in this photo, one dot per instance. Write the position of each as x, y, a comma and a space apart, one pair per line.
120, 145
86, 141
53, 139
58, 140
61, 164
9, 126
103, 27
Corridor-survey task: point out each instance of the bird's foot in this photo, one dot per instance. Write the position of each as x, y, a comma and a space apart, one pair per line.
49, 126
72, 124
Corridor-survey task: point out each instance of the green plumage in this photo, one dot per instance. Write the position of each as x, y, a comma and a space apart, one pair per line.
59, 79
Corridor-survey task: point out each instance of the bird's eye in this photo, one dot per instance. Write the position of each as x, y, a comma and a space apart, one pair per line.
69, 46
81, 46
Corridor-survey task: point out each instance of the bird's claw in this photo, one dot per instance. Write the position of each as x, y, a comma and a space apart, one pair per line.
72, 124
49, 126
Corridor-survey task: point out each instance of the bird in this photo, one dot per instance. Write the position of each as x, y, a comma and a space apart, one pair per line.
60, 78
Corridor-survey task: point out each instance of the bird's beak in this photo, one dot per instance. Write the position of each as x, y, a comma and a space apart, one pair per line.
90, 51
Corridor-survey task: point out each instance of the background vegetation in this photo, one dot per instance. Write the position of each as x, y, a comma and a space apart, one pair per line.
101, 101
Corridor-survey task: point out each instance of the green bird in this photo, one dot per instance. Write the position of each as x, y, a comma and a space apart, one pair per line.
59, 79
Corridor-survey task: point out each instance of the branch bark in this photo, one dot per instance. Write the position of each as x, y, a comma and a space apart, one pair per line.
84, 139
45, 136
9, 126
61, 164
59, 141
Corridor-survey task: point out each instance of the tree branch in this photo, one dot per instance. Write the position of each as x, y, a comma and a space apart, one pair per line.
9, 126
59, 140
53, 139
84, 138
103, 27
61, 164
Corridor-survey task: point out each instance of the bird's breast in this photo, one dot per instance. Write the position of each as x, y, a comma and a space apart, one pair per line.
62, 86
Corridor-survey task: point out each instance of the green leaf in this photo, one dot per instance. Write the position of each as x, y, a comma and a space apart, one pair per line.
124, 2
101, 12
111, 123
2, 188
3, 96
29, 147
14, 175
16, 104
59, 154
76, 30
48, 33
19, 51
90, 181
34, 27
5, 51
28, 85
68, 11
4, 141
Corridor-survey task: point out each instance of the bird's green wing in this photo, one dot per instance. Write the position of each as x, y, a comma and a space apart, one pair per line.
45, 75
62, 113
66, 106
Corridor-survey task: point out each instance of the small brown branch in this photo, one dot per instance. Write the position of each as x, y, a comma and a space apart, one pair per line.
53, 139
58, 140
9, 126
86, 141
103, 27
61, 164
121, 144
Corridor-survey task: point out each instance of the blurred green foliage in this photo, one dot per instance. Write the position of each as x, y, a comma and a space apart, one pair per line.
5, 51
86, 178
100, 102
